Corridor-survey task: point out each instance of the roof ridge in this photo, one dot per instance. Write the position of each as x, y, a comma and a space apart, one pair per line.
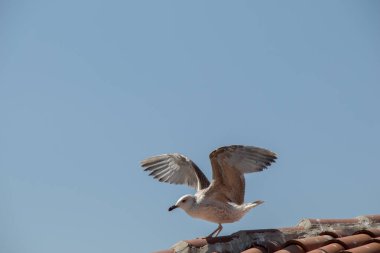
275, 239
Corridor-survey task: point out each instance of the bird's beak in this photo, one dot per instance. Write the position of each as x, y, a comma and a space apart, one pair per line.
172, 208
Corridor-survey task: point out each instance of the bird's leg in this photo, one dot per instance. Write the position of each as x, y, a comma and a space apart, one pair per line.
220, 229
216, 231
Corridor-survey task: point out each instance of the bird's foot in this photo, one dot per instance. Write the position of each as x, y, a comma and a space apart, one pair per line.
215, 233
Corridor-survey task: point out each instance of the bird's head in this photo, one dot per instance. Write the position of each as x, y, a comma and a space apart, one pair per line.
184, 202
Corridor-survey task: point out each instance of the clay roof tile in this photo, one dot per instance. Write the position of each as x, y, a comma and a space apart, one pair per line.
256, 249
329, 248
310, 243
353, 241
368, 248
291, 249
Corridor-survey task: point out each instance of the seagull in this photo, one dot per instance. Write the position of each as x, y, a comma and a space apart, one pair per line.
222, 200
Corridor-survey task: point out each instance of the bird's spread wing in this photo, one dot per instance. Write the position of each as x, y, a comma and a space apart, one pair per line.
228, 167
175, 169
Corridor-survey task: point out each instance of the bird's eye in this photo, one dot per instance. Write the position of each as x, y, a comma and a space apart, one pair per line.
183, 201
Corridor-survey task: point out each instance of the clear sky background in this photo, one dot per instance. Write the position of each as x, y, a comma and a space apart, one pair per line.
89, 88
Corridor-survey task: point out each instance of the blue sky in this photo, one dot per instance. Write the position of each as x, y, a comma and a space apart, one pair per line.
89, 88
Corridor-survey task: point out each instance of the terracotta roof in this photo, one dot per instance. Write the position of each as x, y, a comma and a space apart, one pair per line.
356, 235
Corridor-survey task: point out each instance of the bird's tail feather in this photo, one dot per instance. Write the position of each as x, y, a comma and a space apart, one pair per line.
254, 204
247, 206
